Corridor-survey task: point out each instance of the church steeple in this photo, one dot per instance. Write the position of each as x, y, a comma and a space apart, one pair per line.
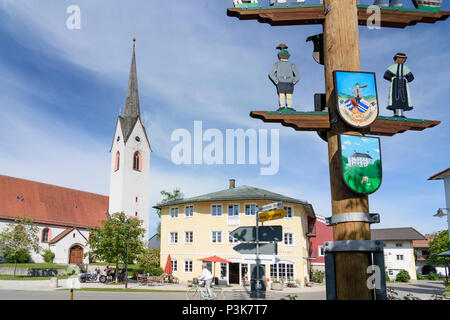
132, 108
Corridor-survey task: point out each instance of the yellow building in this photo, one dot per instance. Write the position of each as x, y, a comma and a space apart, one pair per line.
199, 227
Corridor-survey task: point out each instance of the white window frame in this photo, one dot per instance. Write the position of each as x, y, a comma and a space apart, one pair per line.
184, 266
250, 204
292, 239
321, 252
170, 213
184, 212
174, 263
234, 240
185, 238
170, 237
234, 204
221, 237
216, 205
292, 212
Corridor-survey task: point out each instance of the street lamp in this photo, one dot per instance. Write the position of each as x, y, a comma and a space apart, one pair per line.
126, 263
440, 213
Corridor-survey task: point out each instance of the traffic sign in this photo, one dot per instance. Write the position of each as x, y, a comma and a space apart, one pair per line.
265, 233
271, 206
271, 215
250, 248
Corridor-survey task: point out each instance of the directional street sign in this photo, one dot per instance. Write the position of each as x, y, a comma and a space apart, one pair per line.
265, 233
271, 215
271, 207
250, 248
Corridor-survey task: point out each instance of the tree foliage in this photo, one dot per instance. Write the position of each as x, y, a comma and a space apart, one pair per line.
18, 239
439, 244
149, 261
109, 242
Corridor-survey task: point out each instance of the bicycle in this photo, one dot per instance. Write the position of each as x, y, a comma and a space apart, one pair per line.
199, 293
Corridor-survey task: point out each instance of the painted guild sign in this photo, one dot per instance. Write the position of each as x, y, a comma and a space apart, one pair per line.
361, 163
356, 97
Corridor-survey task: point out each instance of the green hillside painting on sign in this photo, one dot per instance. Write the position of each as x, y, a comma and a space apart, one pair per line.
361, 163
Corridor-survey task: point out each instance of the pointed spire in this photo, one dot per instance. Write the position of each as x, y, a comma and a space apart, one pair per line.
132, 108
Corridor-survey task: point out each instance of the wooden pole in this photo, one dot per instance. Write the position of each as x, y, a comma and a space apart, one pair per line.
341, 52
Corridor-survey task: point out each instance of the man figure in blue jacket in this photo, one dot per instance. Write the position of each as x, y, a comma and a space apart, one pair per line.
284, 76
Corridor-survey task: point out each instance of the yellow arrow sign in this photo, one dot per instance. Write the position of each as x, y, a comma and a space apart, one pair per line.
272, 215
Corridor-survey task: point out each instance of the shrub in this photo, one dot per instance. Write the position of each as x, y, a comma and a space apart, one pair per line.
155, 271
420, 277
403, 276
433, 276
48, 256
318, 276
22, 256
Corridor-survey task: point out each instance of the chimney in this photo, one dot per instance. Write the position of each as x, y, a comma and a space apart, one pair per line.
232, 183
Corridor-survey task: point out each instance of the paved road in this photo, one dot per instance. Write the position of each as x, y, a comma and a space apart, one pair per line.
99, 295
422, 289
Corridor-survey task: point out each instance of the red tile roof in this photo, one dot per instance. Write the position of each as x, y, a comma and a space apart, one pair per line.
61, 235
49, 204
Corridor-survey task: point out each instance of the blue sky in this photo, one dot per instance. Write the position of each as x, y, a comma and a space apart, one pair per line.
61, 89
347, 81
350, 144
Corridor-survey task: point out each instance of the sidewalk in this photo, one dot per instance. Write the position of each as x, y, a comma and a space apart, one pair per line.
45, 285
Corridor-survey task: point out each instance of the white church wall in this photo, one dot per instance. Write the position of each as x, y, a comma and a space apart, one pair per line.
128, 184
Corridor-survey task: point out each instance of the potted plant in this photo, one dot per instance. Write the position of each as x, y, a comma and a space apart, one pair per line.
276, 285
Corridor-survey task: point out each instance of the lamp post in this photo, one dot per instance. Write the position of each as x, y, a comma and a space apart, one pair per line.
126, 263
440, 214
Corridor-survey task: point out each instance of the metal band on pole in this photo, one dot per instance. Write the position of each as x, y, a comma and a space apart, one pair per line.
353, 217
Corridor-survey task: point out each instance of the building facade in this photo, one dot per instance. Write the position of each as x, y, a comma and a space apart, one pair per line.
445, 176
323, 233
360, 160
199, 227
63, 215
398, 249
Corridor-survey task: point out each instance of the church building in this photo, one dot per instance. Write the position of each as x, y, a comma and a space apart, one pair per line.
64, 215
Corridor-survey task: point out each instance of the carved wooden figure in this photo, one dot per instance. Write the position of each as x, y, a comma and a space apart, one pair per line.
284, 75
399, 75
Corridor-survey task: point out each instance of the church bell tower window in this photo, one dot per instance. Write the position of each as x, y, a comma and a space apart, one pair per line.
137, 161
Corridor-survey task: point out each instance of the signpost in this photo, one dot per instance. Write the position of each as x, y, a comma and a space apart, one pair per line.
252, 248
266, 233
272, 215
253, 236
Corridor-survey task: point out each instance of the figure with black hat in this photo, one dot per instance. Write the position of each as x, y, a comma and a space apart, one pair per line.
284, 76
399, 75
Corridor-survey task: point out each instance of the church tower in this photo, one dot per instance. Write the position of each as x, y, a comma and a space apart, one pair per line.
130, 159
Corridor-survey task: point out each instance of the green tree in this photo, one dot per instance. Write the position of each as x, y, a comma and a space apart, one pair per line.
109, 242
18, 238
149, 260
439, 244
167, 196
48, 256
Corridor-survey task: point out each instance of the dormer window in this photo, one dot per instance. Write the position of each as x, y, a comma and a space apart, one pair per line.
137, 161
